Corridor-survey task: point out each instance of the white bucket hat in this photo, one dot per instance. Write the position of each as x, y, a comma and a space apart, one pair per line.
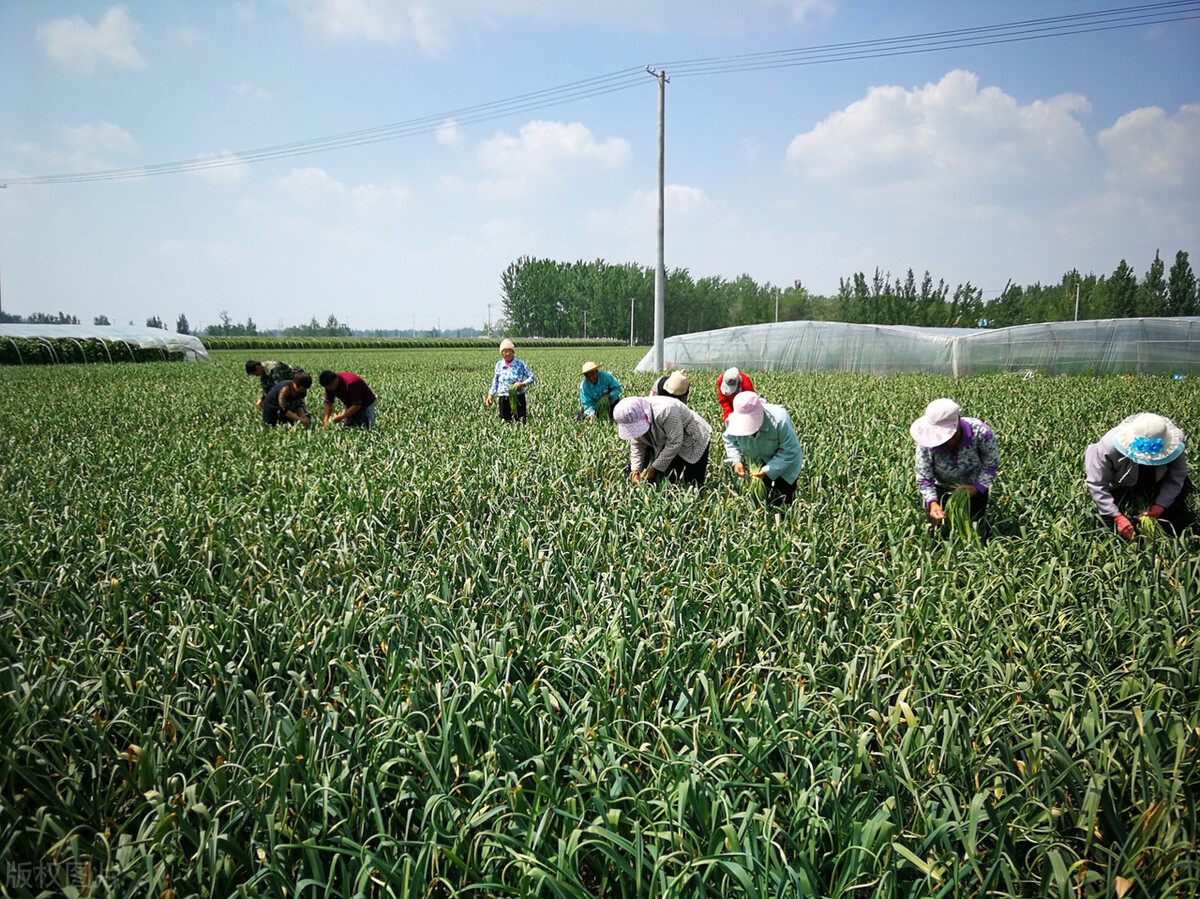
938, 424
731, 382
506, 344
1149, 439
632, 416
747, 415
678, 384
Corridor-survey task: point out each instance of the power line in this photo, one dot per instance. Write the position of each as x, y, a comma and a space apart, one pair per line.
1009, 32
625, 79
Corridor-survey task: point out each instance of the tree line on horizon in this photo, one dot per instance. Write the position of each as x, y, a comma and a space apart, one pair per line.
549, 298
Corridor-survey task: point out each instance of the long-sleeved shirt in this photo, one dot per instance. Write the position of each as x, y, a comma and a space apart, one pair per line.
507, 374
975, 461
675, 431
354, 392
774, 446
589, 394
273, 373
1107, 467
727, 401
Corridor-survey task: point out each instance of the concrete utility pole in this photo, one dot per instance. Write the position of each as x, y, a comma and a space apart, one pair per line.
660, 271
1076, 301
631, 321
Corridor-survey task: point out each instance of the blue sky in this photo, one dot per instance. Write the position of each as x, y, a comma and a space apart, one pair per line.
1017, 160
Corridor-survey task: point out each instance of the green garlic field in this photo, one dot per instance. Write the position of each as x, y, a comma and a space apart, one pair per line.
454, 658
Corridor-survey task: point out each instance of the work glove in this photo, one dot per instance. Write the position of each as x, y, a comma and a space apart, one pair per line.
1155, 511
1124, 527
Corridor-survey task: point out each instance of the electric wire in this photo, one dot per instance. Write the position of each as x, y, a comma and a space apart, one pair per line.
627, 79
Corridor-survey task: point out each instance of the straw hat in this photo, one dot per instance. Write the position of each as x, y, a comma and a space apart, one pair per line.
678, 384
632, 416
747, 415
938, 424
590, 366
1148, 439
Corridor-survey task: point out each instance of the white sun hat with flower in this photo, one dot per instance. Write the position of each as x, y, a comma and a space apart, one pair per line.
1149, 439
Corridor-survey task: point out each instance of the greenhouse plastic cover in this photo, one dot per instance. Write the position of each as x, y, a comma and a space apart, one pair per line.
1098, 346
147, 338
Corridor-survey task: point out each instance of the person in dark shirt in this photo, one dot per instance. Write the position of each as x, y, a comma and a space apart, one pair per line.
269, 373
284, 403
358, 402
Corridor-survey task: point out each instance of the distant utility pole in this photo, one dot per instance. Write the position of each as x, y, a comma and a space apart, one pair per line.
631, 321
1076, 301
489, 321
585, 324
660, 271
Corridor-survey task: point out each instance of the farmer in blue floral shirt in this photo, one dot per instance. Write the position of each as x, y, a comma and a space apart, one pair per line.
509, 381
953, 453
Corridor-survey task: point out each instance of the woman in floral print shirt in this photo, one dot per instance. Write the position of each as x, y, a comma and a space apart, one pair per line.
509, 380
953, 453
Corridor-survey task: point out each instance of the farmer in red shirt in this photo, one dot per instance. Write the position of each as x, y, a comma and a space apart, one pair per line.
731, 384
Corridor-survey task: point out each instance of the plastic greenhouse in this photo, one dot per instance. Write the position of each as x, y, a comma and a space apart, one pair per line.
131, 336
1098, 346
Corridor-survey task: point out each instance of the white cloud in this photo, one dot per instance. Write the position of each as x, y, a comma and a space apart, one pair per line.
79, 45
638, 215
221, 168
449, 134
432, 25
540, 153
943, 136
1149, 151
245, 89
99, 137
803, 10
543, 146
313, 188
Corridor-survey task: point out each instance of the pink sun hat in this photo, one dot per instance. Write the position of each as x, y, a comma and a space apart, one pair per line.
938, 424
632, 416
747, 415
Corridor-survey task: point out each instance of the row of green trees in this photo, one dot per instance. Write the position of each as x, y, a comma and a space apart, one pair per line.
547, 298
37, 318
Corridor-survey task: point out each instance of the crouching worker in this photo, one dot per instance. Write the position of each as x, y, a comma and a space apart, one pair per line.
763, 433
358, 401
284, 403
1140, 464
666, 440
675, 385
599, 392
954, 452
269, 374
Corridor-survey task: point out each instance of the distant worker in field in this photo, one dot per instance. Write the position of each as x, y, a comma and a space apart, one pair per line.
763, 434
676, 386
1141, 464
509, 381
954, 452
358, 401
599, 392
284, 403
667, 440
731, 384
269, 374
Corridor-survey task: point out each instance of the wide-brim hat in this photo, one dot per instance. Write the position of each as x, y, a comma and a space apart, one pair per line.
590, 367
632, 416
731, 382
938, 424
678, 384
1149, 439
747, 415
